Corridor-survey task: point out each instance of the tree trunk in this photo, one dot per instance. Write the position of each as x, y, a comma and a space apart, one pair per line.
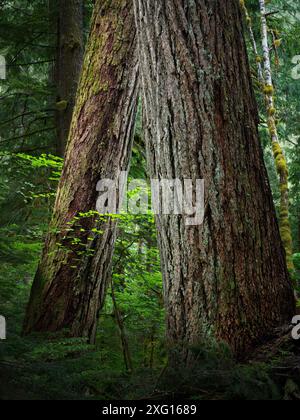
122, 331
226, 278
69, 57
279, 157
70, 283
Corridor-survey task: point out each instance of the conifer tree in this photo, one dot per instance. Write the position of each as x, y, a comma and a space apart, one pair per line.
70, 283
227, 278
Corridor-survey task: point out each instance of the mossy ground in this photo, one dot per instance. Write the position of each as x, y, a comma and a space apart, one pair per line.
52, 367
55, 368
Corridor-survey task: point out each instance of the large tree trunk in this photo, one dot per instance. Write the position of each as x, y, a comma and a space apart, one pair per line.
70, 284
69, 57
226, 278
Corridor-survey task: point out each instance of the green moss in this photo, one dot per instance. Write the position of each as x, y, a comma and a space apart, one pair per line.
284, 214
62, 105
272, 111
286, 236
268, 90
271, 123
284, 223
280, 164
290, 265
277, 43
277, 151
284, 187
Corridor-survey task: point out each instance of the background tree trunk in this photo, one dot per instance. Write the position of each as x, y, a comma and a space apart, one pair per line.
70, 283
226, 278
279, 156
69, 57
122, 330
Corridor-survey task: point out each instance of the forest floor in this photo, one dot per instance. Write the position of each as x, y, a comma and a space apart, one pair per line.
62, 369
56, 368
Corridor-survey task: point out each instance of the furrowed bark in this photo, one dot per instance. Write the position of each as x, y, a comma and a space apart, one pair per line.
69, 57
226, 279
70, 283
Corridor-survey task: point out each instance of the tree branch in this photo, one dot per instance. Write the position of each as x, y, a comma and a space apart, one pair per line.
27, 135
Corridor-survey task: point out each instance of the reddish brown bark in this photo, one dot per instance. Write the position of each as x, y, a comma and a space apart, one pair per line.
70, 284
226, 279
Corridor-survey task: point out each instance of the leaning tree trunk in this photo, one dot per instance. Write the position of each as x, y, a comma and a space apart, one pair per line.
70, 283
226, 278
69, 57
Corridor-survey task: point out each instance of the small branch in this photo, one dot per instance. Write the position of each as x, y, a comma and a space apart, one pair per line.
30, 64
290, 141
272, 13
35, 149
27, 135
25, 114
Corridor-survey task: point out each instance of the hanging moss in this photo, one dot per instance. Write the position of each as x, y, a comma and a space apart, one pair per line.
271, 111
284, 214
285, 223
277, 43
286, 236
281, 164
284, 188
271, 123
268, 90
276, 149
